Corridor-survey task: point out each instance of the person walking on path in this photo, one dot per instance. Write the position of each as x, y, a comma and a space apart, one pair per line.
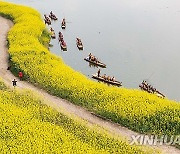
14, 83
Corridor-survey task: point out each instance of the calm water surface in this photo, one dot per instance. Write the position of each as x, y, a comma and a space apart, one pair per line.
137, 39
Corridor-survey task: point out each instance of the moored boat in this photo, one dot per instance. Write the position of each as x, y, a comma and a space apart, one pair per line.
98, 63
100, 78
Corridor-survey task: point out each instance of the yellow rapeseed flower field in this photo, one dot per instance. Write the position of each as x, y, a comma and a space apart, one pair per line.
28, 126
134, 109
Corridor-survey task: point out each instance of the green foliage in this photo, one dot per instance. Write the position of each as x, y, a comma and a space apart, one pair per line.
2, 85
7, 16
135, 109
44, 39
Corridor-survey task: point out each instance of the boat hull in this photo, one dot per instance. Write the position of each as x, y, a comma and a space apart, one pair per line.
63, 26
53, 37
116, 83
80, 47
97, 64
64, 48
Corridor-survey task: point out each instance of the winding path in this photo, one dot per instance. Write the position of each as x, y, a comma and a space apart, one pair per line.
58, 103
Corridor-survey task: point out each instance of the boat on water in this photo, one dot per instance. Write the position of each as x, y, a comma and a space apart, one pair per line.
52, 16
63, 46
60, 37
63, 24
150, 89
79, 44
47, 20
100, 78
97, 63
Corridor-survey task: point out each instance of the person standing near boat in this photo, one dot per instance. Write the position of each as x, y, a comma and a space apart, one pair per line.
98, 73
113, 79
108, 78
63, 22
90, 56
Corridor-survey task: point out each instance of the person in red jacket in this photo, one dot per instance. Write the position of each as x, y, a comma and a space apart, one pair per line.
20, 75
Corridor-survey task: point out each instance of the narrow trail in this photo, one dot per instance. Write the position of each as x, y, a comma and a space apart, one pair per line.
58, 103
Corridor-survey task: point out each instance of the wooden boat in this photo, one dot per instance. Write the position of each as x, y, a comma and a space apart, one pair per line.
156, 92
115, 83
79, 45
47, 21
60, 37
100, 64
63, 47
53, 17
63, 26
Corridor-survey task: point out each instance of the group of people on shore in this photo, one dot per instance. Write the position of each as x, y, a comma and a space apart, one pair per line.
108, 78
147, 87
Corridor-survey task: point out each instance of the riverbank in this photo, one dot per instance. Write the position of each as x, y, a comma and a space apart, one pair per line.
134, 109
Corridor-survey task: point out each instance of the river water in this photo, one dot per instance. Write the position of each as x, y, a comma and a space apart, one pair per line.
137, 39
